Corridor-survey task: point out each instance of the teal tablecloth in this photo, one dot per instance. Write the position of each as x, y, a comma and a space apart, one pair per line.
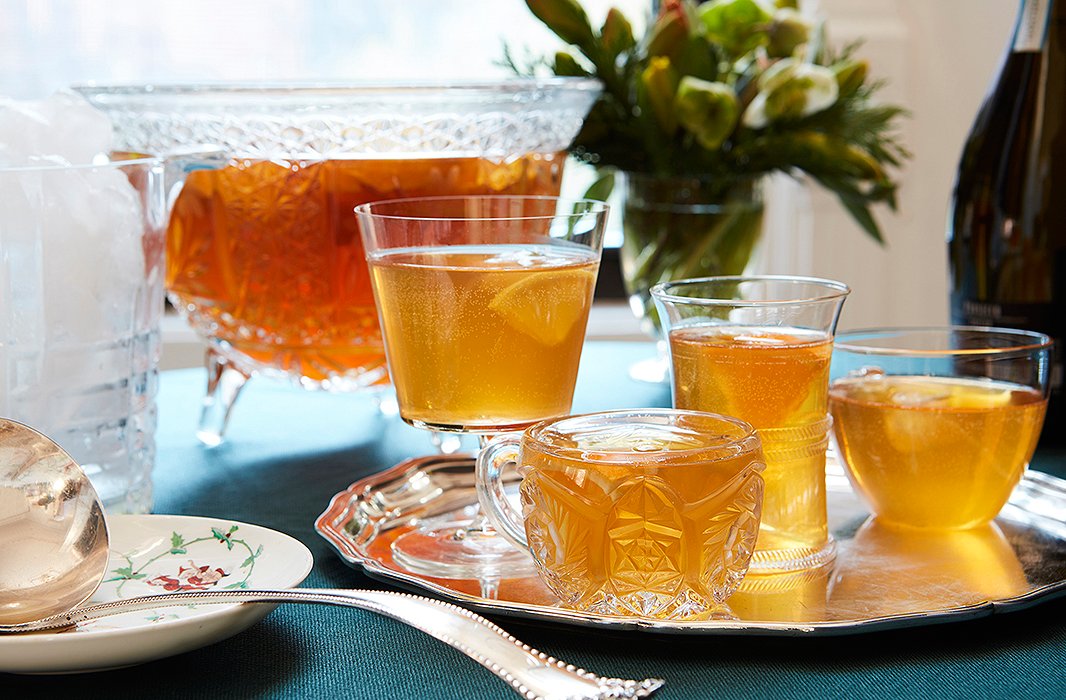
289, 451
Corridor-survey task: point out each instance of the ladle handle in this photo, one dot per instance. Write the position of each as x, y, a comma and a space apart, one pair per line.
529, 672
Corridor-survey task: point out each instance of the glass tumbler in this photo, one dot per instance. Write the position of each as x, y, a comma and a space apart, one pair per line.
759, 348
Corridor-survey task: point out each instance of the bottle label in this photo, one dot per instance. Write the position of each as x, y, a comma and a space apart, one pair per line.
1032, 26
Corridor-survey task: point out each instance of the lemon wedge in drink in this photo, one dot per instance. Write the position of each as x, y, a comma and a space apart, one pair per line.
948, 392
546, 304
977, 394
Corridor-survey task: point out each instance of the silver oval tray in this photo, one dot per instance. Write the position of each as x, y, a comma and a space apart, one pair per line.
881, 579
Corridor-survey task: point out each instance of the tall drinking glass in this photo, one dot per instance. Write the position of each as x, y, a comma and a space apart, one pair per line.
759, 349
483, 302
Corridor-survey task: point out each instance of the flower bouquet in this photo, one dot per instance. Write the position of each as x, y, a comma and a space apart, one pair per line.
713, 98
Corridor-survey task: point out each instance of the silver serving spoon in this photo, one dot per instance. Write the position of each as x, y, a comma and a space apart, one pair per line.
54, 553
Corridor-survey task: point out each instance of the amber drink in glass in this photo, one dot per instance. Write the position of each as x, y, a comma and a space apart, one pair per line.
267, 254
484, 336
645, 512
483, 303
936, 426
772, 376
759, 348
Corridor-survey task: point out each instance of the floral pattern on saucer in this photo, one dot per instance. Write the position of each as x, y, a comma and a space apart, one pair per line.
192, 560
189, 577
149, 555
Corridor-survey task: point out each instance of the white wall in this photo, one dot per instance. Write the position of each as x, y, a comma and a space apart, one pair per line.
940, 57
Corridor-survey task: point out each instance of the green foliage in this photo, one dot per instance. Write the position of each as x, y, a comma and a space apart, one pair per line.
125, 573
601, 189
224, 538
737, 25
729, 90
708, 110
177, 544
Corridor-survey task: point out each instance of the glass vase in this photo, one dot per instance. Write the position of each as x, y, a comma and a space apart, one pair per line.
679, 228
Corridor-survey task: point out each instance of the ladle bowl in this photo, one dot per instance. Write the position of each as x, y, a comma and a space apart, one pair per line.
53, 536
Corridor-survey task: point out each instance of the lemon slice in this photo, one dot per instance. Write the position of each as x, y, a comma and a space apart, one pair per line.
545, 305
980, 395
947, 393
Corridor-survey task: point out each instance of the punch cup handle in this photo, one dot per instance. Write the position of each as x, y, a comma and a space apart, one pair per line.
488, 478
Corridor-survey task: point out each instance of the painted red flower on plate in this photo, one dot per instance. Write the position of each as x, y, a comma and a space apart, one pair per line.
189, 578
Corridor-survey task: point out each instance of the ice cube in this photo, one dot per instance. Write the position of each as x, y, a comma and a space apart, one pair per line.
522, 257
93, 260
63, 125
76, 297
19, 122
913, 394
867, 372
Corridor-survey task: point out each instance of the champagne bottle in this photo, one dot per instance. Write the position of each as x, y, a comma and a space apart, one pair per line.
1007, 227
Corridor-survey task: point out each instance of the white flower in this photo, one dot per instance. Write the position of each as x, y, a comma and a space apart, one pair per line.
791, 89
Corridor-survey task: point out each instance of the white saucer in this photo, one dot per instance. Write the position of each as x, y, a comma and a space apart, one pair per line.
153, 554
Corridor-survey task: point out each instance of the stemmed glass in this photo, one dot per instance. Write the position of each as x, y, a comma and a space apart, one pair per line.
483, 303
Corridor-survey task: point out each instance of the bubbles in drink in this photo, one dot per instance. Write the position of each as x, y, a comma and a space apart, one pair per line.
633, 437
535, 256
867, 371
751, 337
930, 392
478, 339
935, 451
917, 396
